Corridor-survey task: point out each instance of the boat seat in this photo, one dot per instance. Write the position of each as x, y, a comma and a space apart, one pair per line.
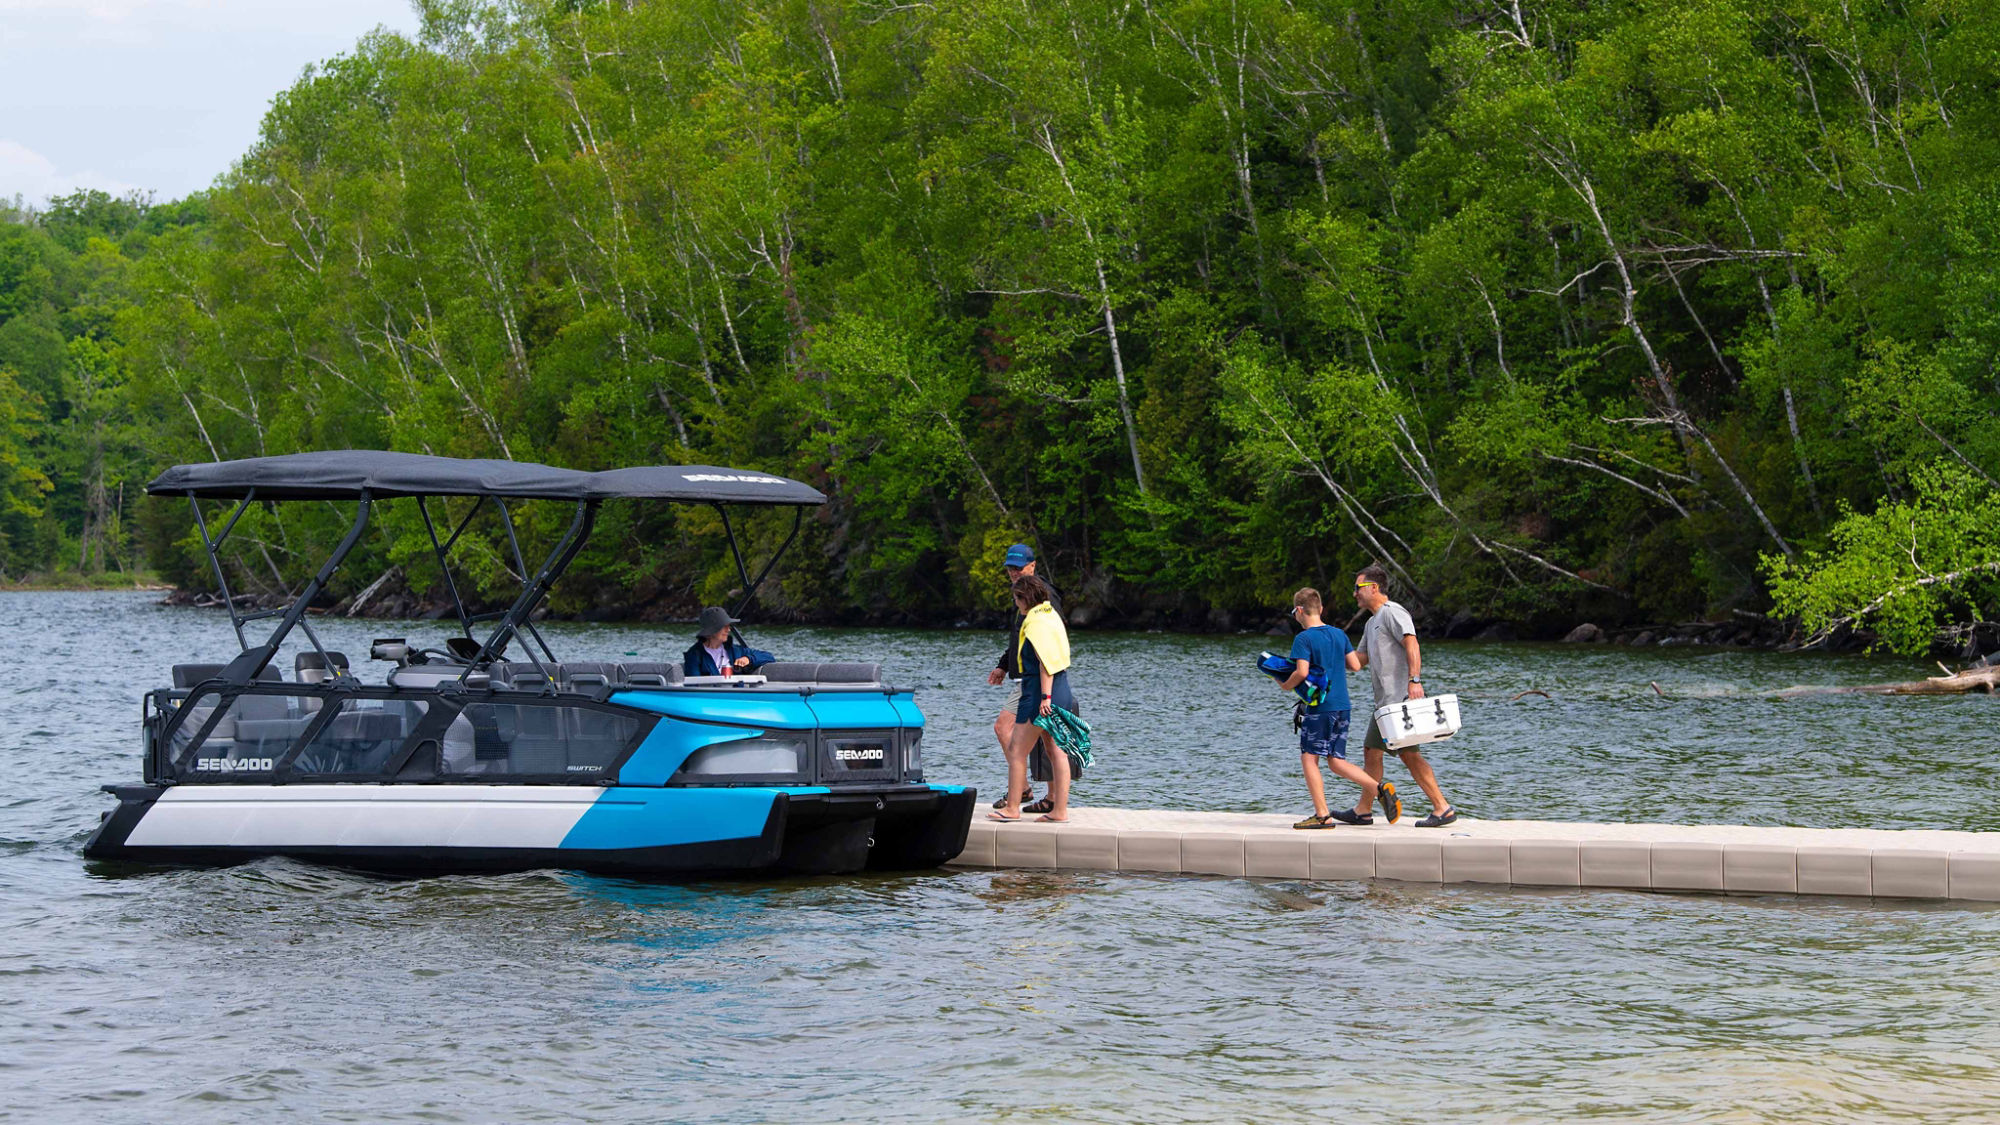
425, 675
365, 726
266, 723
789, 671
643, 675
848, 672
584, 675
527, 676
311, 667
828, 672
188, 675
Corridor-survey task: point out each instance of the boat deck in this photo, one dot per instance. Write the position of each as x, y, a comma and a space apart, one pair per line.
1739, 859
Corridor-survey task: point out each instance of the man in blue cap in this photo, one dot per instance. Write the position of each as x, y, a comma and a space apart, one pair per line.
1019, 560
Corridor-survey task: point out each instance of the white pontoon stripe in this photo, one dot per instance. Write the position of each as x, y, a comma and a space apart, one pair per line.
466, 816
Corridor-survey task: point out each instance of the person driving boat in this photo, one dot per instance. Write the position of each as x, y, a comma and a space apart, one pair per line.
717, 650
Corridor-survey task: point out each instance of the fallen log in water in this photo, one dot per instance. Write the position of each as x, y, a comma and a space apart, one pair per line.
1985, 679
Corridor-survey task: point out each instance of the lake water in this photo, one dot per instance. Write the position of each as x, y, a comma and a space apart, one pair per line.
274, 987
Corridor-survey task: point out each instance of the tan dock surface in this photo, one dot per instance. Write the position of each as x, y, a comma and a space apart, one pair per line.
1886, 863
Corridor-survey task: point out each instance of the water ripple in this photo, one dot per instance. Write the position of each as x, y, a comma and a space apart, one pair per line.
223, 995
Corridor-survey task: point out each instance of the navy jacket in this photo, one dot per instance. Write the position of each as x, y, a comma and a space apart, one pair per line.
695, 661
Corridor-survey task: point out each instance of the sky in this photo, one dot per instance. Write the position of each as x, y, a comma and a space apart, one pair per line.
154, 95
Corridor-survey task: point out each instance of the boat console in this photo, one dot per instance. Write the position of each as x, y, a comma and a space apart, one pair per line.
458, 759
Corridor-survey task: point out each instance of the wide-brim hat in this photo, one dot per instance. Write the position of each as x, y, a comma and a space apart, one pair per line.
712, 620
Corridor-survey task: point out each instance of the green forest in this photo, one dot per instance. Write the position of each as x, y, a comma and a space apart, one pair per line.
1627, 311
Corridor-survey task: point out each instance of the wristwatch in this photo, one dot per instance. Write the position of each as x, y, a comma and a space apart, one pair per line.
1416, 679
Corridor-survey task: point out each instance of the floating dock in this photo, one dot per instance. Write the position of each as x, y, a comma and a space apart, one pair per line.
1731, 859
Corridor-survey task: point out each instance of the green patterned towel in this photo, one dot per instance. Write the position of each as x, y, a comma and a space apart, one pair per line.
1072, 735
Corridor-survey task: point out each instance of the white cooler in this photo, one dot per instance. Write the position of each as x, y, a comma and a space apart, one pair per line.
1414, 722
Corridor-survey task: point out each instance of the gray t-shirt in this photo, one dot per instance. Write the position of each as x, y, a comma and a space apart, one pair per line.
1388, 664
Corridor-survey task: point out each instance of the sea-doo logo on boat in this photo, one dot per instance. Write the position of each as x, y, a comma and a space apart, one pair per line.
232, 765
864, 754
733, 478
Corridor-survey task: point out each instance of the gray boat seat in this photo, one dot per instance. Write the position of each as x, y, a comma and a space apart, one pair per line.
648, 674
828, 672
848, 672
789, 671
311, 667
366, 726
526, 676
425, 675
188, 675
266, 724
585, 675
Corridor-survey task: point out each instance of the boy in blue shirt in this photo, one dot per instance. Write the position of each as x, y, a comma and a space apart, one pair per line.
1323, 737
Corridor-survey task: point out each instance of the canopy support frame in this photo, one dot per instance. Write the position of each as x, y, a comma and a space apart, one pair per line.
443, 552
251, 661
213, 545
532, 594
750, 585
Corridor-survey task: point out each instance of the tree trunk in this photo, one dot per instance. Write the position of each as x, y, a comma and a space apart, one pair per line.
1628, 294
1957, 683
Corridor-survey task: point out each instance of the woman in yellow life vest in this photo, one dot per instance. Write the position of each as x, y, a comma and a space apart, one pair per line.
1043, 658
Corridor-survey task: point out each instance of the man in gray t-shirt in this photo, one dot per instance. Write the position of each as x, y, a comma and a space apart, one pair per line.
1389, 651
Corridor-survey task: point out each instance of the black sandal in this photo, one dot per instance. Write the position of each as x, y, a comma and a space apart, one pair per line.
1041, 806
1027, 794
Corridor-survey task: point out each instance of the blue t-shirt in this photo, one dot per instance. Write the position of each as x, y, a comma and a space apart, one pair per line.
1327, 648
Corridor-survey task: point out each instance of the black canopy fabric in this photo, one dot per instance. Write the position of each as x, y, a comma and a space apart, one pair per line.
338, 474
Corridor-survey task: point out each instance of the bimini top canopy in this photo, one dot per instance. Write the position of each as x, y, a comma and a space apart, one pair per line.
344, 474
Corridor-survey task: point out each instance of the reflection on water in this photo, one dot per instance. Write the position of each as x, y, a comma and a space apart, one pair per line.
227, 995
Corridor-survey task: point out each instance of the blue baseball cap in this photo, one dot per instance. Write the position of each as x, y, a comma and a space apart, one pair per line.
1020, 554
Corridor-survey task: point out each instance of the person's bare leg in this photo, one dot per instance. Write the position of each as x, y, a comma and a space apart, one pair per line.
1003, 729
1025, 735
1420, 770
1058, 777
1373, 756
1017, 771
1358, 776
1315, 784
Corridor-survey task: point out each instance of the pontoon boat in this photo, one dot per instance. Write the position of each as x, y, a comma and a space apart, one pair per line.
464, 760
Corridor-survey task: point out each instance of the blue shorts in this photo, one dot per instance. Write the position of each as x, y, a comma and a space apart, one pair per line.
1324, 735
